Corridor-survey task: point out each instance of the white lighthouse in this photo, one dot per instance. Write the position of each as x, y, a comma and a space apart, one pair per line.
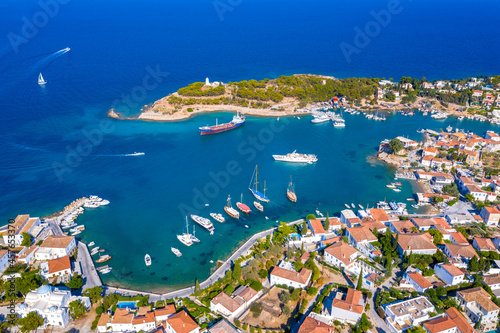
207, 82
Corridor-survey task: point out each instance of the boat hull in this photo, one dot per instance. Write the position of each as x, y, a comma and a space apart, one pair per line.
291, 196
244, 208
259, 196
234, 214
218, 129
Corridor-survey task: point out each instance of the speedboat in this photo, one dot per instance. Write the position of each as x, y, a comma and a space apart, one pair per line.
218, 217
347, 206
106, 270
396, 190
339, 123
390, 186
147, 260
91, 244
136, 154
176, 251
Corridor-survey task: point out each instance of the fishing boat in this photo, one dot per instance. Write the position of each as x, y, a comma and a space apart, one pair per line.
258, 205
91, 244
41, 80
347, 206
236, 122
290, 191
241, 206
260, 196
147, 259
230, 210
205, 223
185, 238
218, 217
104, 258
176, 251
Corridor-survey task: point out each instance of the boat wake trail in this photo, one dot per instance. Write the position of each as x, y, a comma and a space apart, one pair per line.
120, 155
27, 148
51, 57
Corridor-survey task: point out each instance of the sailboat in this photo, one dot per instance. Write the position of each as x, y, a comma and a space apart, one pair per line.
258, 205
260, 196
230, 210
186, 237
41, 81
241, 206
290, 192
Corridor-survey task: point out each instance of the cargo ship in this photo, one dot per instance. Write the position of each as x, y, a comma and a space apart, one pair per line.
236, 122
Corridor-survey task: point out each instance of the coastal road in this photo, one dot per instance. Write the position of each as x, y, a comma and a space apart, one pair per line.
89, 273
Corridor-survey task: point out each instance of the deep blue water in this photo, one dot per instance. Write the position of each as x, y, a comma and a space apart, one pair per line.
116, 45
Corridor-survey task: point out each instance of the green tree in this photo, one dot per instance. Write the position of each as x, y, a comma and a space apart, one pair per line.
95, 294
395, 145
30, 323
237, 270
478, 324
76, 282
437, 236
285, 297
303, 229
27, 239
452, 190
360, 280
286, 311
364, 323
311, 217
76, 309
326, 224
473, 264
197, 288
417, 329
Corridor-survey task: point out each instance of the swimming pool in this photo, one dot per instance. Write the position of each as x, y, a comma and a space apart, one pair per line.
124, 305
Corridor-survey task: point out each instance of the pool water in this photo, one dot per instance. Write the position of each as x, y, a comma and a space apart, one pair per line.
124, 305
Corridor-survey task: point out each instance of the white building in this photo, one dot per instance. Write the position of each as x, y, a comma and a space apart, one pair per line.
27, 255
402, 315
4, 260
449, 273
51, 304
477, 304
232, 307
344, 308
417, 281
22, 224
493, 281
340, 255
289, 277
60, 267
56, 247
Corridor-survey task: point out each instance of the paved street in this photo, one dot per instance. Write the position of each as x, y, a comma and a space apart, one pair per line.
91, 277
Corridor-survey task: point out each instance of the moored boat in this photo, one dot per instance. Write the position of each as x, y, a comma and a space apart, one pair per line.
218, 217
205, 223
290, 191
347, 206
256, 193
91, 244
104, 258
241, 206
147, 259
295, 157
258, 205
230, 210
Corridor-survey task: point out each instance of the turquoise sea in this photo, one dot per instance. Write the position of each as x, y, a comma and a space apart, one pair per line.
128, 53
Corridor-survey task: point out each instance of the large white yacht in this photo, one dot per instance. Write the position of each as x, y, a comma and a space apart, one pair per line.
205, 223
296, 158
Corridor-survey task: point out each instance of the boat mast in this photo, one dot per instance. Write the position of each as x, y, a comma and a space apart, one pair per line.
264, 188
256, 172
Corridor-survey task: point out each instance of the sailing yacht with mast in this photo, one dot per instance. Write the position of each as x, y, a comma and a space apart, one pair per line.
230, 210
256, 193
41, 81
185, 238
290, 191
241, 206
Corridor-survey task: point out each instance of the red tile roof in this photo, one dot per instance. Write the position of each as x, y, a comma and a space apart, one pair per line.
420, 280
181, 322
317, 226
59, 264
299, 277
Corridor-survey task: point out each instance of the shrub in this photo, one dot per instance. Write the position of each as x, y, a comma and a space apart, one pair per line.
311, 217
237, 323
311, 291
256, 309
190, 109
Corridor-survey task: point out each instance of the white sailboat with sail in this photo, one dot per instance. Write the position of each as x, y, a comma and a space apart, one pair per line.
41, 80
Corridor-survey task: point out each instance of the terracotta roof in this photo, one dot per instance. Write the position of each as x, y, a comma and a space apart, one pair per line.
330, 241
491, 279
411, 242
3, 252
480, 296
379, 214
466, 251
351, 302
59, 242
59, 264
143, 319
492, 210
452, 269
403, 227
419, 279
103, 321
372, 224
223, 326
430, 149
226, 301
166, 311
342, 252
311, 325
334, 221
439, 325
122, 316
459, 238
181, 322
460, 321
485, 244
244, 294
300, 277
361, 233
429, 222
317, 226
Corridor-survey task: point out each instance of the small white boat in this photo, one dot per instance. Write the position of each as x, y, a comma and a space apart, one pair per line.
246, 226
176, 251
278, 119
258, 205
76, 233
353, 206
391, 186
218, 217
396, 190
339, 123
91, 244
298, 117
106, 270
136, 154
347, 206
147, 260
361, 206
41, 80
267, 218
